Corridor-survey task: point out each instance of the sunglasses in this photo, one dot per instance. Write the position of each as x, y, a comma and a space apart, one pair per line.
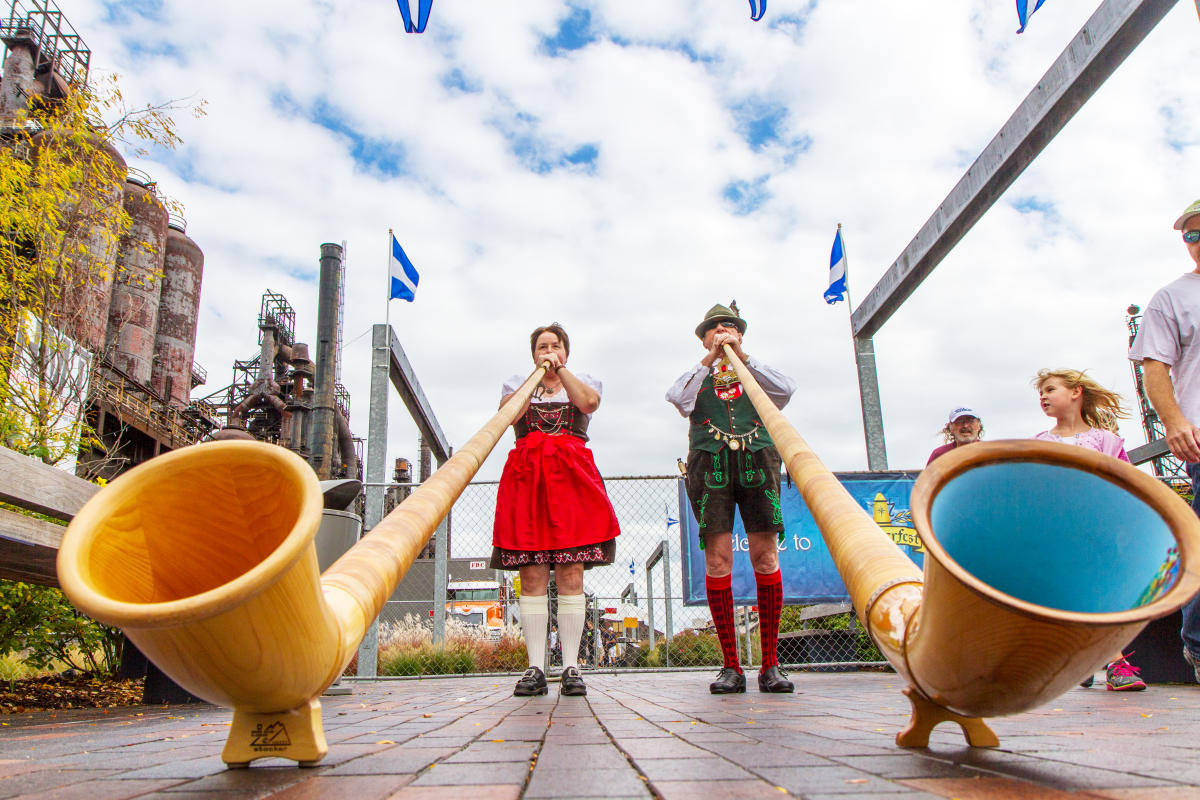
1191, 237
726, 323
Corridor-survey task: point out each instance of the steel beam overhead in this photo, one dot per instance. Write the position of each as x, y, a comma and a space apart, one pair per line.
1150, 450
1105, 40
406, 383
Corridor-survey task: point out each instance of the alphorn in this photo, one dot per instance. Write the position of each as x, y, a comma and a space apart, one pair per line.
1042, 561
204, 557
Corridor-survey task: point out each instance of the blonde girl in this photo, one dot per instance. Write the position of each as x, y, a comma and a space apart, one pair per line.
1085, 412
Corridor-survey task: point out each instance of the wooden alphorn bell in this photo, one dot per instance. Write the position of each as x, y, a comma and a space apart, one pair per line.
1042, 561
204, 557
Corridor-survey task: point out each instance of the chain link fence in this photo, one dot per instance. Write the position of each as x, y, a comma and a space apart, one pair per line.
635, 615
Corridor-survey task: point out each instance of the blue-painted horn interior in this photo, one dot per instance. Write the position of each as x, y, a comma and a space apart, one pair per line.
1055, 536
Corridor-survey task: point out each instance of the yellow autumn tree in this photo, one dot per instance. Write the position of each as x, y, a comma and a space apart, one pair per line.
61, 220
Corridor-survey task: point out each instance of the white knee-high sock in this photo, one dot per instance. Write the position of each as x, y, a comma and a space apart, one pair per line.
572, 608
535, 613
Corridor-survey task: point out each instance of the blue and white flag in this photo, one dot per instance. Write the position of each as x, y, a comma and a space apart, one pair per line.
837, 271
670, 520
423, 9
1023, 12
757, 9
404, 277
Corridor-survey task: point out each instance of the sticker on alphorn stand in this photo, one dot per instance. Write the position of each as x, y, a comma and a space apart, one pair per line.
926, 714
296, 735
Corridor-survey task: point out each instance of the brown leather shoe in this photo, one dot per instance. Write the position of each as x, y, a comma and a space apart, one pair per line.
774, 680
729, 681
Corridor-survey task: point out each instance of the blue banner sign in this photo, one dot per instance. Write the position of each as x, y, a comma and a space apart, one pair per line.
809, 575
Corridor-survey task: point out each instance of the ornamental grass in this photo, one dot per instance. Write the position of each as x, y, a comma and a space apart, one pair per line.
406, 648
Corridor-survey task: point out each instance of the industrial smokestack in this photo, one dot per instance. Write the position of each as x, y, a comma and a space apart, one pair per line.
328, 302
19, 76
137, 290
179, 307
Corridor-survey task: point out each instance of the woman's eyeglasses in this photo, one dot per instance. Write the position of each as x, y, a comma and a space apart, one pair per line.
1191, 237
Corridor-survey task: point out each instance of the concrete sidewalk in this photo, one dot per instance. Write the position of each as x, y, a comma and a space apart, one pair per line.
635, 735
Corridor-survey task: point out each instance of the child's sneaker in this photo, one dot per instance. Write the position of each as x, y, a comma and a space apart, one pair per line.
1123, 677
1195, 662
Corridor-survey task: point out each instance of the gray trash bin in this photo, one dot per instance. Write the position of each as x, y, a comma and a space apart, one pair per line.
338, 532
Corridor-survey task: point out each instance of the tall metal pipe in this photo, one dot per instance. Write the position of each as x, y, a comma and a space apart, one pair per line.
266, 356
301, 400
204, 557
346, 445
329, 300
981, 633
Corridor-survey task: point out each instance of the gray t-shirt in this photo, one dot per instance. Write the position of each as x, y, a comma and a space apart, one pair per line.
1168, 333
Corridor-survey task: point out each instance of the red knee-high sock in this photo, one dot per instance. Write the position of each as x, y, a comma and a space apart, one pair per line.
770, 606
720, 604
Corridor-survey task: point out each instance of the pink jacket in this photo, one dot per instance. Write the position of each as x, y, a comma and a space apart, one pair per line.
1103, 441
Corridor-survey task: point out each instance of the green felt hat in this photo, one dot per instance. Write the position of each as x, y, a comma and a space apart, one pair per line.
718, 313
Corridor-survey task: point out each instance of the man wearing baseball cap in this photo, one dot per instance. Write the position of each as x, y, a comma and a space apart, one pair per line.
964, 427
732, 462
1168, 345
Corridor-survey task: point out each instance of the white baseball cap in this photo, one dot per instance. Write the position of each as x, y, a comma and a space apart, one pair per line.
1191, 211
961, 412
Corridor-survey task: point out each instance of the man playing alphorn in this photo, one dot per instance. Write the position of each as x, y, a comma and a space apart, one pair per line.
732, 462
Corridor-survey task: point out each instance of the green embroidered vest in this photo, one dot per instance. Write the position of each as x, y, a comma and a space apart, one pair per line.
717, 424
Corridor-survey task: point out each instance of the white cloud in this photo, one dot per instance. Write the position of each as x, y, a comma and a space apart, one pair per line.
882, 110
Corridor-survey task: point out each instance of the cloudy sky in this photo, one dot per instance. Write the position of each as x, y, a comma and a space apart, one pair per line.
622, 166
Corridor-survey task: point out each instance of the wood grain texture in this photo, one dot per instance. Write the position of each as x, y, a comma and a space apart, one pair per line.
28, 548
883, 583
28, 483
358, 584
964, 645
28, 563
976, 650
204, 557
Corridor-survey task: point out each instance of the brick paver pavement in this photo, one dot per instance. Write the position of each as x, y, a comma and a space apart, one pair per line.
635, 735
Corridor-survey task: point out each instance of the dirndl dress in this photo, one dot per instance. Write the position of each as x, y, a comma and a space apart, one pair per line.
551, 507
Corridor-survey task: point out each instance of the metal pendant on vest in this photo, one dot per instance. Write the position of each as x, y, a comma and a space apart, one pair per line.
724, 416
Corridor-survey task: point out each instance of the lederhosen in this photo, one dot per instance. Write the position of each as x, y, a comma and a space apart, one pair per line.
732, 461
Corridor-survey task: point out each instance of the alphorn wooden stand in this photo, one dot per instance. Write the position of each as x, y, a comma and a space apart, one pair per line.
205, 558
966, 649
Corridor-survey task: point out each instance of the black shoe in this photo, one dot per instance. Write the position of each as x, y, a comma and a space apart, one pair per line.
572, 683
1087, 682
729, 681
774, 680
533, 682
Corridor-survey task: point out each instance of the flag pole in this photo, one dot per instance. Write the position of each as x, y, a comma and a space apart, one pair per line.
868, 381
387, 262
846, 276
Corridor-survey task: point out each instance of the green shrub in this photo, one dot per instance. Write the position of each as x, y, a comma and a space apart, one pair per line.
694, 650
46, 632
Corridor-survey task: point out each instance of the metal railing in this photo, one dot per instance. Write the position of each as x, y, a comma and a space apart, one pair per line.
58, 47
645, 582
